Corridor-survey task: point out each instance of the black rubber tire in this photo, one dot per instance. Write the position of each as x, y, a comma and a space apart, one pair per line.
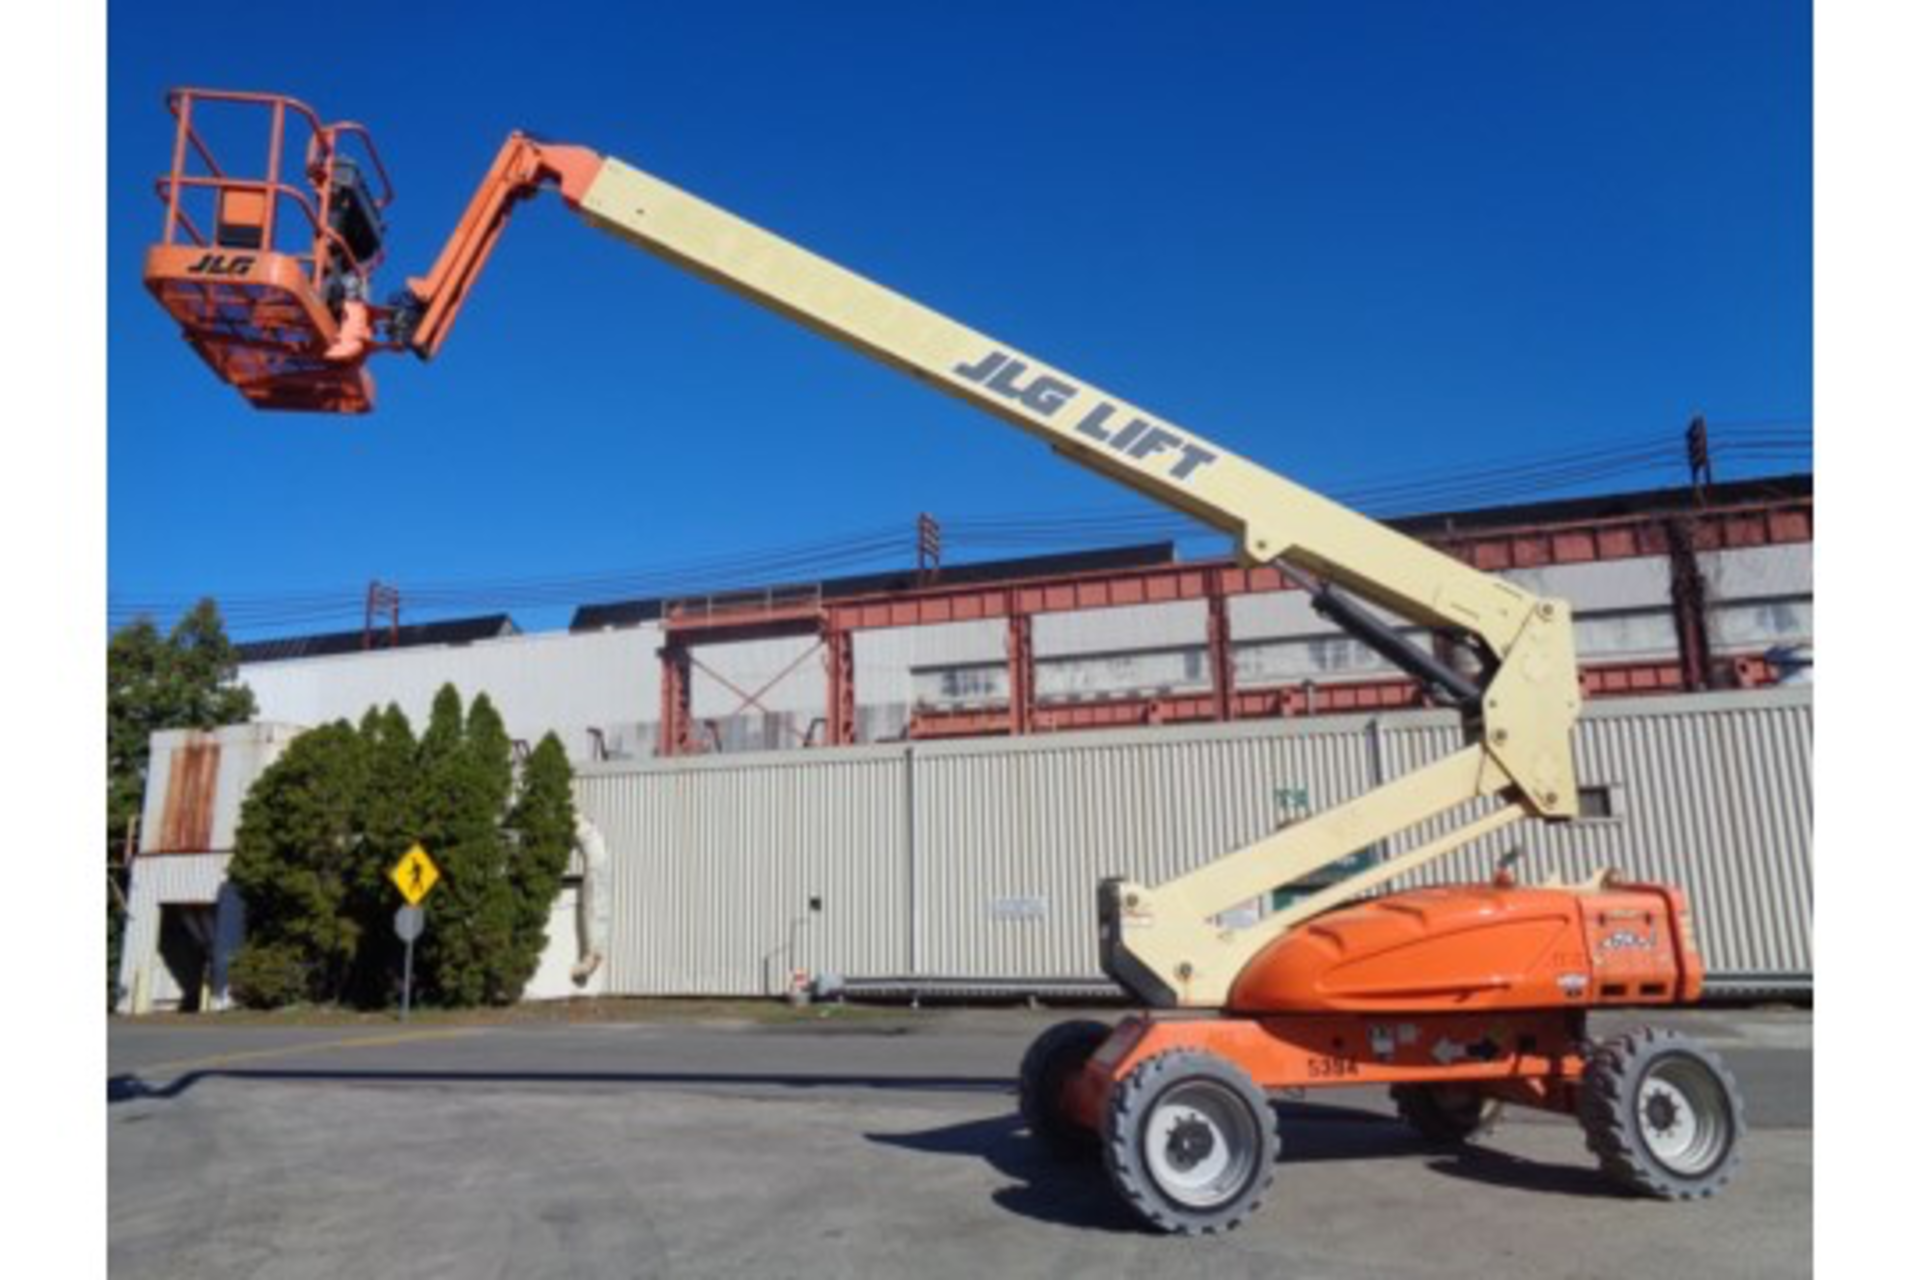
1446, 1115
1130, 1112
1617, 1118
1054, 1055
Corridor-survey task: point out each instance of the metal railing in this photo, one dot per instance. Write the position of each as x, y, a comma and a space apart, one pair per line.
324, 151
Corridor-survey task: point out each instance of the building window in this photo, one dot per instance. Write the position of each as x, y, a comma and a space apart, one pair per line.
1599, 804
959, 685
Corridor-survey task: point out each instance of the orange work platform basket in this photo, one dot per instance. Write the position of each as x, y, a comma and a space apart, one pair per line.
262, 274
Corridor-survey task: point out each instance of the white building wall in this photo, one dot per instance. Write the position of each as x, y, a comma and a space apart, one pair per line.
564, 682
1139, 672
1275, 615
1622, 612
192, 877
1324, 659
1120, 630
600, 691
553, 980
787, 675
895, 668
1604, 586
1279, 639
885, 660
1760, 624
1759, 597
1746, 573
980, 859
175, 879
1629, 635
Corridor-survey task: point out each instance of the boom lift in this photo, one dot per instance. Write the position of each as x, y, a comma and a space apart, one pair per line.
1461, 998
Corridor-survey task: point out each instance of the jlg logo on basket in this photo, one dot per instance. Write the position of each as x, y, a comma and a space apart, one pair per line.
219, 264
1626, 938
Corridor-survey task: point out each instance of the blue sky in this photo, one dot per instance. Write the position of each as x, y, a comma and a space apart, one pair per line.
1354, 241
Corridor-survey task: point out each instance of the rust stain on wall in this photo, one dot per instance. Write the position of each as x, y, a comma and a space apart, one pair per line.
186, 823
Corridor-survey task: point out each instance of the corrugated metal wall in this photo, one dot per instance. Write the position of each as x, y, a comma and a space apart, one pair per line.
997, 823
198, 879
197, 782
1717, 799
716, 860
717, 864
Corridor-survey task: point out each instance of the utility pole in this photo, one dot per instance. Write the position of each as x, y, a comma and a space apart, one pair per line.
1699, 457
927, 550
382, 596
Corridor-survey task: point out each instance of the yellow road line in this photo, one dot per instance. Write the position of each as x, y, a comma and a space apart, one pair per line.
288, 1051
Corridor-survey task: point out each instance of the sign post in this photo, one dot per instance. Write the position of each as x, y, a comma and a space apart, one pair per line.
409, 922
414, 875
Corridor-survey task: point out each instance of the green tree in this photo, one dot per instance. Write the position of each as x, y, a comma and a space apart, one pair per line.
183, 680
441, 777
388, 822
467, 778
295, 864
542, 826
326, 821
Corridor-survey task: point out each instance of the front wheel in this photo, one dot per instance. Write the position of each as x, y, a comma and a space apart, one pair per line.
1663, 1115
1190, 1143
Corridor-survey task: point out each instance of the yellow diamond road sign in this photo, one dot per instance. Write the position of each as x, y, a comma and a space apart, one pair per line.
415, 874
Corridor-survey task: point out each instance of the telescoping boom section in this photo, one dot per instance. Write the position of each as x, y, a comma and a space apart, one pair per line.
1166, 943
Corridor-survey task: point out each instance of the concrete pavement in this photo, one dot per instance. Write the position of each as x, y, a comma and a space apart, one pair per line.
884, 1147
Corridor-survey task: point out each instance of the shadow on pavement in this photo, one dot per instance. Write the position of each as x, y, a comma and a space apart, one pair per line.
1497, 1168
1065, 1192
1075, 1193
129, 1087
1044, 1188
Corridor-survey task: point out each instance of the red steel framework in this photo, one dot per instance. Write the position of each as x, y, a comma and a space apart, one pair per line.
1677, 537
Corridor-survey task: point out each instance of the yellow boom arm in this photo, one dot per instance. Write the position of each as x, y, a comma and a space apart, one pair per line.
1164, 942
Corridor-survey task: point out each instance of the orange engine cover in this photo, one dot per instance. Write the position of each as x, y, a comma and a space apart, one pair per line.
1460, 947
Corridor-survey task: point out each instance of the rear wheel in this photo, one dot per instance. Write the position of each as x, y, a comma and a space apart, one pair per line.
1190, 1143
1446, 1114
1051, 1060
1663, 1115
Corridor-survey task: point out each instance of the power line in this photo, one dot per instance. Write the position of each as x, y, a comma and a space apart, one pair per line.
1738, 446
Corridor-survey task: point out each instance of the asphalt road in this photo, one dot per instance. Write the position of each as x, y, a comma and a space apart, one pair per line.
840, 1149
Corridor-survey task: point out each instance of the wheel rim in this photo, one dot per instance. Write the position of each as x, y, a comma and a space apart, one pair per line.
1684, 1116
1200, 1143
